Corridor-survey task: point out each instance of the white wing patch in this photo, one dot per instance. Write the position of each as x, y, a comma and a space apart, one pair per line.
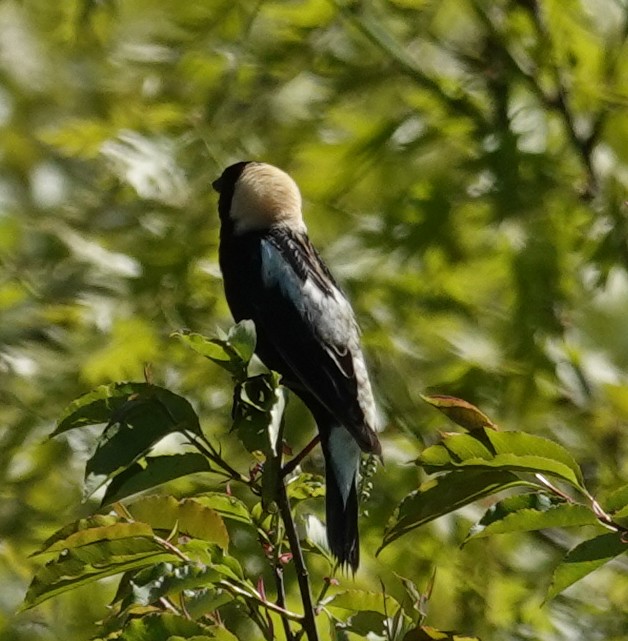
330, 316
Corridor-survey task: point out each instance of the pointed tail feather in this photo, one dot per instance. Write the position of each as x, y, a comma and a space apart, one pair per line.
342, 462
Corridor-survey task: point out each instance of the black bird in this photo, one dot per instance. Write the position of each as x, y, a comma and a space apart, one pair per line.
306, 329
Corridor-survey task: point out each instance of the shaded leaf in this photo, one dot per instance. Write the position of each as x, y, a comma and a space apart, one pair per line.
81, 565
585, 558
527, 512
145, 417
103, 404
428, 633
154, 471
444, 494
163, 627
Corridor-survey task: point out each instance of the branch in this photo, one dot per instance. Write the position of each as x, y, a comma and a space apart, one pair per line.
309, 622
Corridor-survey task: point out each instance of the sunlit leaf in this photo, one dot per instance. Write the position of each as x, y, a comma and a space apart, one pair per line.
512, 451
165, 627
527, 512
93, 561
190, 517
229, 507
445, 494
460, 412
428, 633
585, 558
360, 600
232, 353
154, 471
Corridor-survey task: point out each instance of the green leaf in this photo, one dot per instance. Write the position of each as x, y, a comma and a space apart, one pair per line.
527, 512
142, 420
305, 486
445, 494
91, 562
190, 516
242, 337
118, 530
617, 500
512, 451
428, 633
229, 507
460, 412
164, 627
154, 471
232, 353
360, 601
258, 407
95, 521
108, 403
585, 558
165, 579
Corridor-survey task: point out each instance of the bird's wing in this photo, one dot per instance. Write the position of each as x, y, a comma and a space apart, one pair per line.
311, 325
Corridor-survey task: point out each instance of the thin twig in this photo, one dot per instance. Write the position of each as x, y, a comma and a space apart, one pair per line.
296, 460
309, 620
254, 596
207, 449
278, 575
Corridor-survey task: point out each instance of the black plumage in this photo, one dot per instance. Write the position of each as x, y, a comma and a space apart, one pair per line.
306, 330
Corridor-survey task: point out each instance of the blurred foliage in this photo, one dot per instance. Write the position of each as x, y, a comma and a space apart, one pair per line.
464, 169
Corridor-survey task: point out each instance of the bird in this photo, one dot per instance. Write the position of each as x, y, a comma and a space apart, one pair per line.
306, 329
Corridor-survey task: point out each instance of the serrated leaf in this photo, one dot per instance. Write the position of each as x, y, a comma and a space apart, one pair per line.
111, 532
229, 507
136, 425
163, 627
242, 337
103, 404
258, 408
154, 471
585, 558
460, 411
91, 562
617, 500
232, 353
428, 633
361, 601
95, 521
512, 451
306, 486
528, 512
445, 494
165, 579
190, 516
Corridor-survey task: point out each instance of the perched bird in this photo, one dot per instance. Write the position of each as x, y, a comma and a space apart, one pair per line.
306, 329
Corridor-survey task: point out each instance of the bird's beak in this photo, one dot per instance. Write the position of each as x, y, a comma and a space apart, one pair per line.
217, 184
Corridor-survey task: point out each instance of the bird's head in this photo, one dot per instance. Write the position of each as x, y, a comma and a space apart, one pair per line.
256, 196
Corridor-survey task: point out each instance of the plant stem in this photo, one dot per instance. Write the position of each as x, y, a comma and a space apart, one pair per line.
309, 621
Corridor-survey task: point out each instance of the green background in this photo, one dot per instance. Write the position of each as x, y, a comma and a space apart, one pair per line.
464, 168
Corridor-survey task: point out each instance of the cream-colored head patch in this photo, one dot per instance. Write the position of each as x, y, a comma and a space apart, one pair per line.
265, 196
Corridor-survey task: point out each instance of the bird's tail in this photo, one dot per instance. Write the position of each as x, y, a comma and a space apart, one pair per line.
342, 463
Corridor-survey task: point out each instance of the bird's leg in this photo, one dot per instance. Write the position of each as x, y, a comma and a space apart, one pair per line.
292, 463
